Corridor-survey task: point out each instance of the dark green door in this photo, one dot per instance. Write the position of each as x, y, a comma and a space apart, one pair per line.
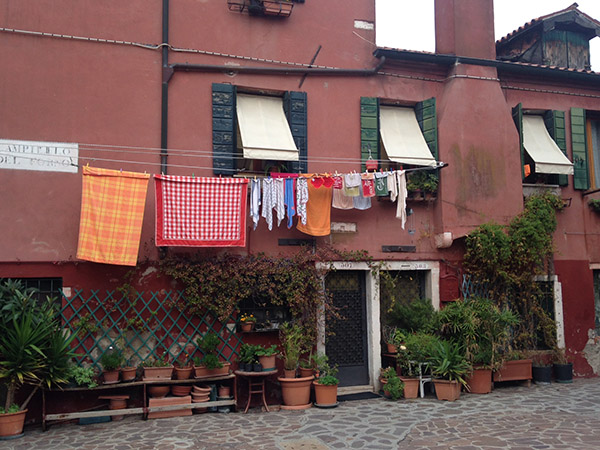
346, 342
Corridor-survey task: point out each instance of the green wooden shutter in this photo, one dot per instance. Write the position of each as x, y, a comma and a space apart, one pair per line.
294, 104
224, 128
555, 123
578, 142
369, 129
427, 118
517, 113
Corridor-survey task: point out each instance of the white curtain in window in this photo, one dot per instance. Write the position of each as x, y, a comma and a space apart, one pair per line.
264, 128
547, 156
402, 137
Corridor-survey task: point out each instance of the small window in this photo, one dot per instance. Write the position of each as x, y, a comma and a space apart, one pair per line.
44, 287
543, 152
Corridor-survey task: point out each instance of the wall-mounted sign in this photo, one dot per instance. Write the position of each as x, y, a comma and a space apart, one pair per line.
45, 156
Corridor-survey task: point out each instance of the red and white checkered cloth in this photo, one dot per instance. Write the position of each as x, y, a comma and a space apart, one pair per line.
200, 212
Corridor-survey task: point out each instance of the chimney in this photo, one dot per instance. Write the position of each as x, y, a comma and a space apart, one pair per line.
465, 28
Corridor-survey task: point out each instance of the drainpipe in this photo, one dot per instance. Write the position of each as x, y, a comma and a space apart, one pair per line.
261, 70
166, 76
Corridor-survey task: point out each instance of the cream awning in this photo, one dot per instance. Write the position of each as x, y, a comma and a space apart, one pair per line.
402, 137
543, 150
264, 128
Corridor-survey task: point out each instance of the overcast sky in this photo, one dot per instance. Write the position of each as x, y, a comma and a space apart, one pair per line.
409, 24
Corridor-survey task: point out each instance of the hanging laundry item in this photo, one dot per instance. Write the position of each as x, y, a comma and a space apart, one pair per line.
393, 186
340, 199
279, 186
361, 202
338, 182
301, 199
268, 201
352, 183
255, 202
402, 194
368, 184
290, 201
328, 182
318, 211
381, 184
200, 212
112, 212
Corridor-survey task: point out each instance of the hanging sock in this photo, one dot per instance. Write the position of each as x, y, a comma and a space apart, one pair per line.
301, 199
290, 201
255, 202
402, 193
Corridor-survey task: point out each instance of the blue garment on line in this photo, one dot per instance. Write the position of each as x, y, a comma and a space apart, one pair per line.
289, 201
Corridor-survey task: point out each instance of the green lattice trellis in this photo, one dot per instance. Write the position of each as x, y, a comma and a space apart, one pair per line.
143, 324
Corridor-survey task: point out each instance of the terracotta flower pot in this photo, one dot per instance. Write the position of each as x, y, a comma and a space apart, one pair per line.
183, 373
391, 348
519, 369
224, 391
12, 424
158, 391
158, 373
296, 391
447, 390
411, 387
203, 372
289, 373
247, 326
267, 362
181, 391
306, 372
128, 373
325, 395
480, 381
111, 376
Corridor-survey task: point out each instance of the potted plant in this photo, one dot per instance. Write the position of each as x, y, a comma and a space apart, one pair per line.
413, 360
515, 367
157, 369
82, 376
247, 357
541, 369
266, 356
295, 391
393, 338
35, 351
277, 7
209, 365
449, 367
326, 384
393, 387
563, 370
183, 366
594, 204
111, 361
129, 371
247, 322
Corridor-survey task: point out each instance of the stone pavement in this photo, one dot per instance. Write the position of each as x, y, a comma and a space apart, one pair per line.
559, 416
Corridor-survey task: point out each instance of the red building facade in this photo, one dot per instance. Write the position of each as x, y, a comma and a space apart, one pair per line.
144, 87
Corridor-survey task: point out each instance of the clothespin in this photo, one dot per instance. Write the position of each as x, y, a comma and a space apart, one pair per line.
121, 170
193, 175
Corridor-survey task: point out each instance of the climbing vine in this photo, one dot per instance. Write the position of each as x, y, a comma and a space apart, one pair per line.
506, 260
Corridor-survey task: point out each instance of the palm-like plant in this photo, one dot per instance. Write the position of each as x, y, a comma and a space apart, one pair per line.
448, 362
34, 350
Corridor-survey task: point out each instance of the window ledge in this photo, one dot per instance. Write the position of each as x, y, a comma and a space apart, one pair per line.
535, 189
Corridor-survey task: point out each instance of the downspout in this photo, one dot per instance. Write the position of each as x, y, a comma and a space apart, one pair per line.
184, 67
166, 76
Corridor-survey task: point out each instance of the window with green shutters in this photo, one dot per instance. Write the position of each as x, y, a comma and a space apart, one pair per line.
555, 123
425, 112
227, 159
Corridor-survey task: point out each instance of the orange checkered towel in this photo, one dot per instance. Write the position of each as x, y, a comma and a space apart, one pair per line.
112, 211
